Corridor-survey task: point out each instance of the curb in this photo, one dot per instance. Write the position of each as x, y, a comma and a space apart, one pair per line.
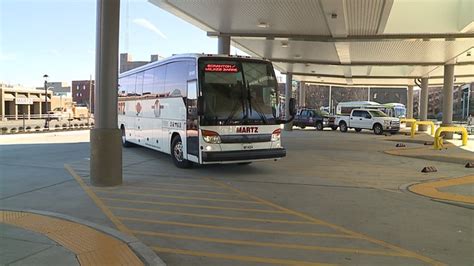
146, 255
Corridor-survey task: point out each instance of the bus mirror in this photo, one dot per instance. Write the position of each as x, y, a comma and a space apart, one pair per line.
292, 106
200, 105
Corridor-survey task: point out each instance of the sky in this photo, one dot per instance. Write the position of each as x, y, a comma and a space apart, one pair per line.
57, 37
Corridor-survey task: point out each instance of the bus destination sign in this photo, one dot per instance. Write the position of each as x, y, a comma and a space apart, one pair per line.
230, 68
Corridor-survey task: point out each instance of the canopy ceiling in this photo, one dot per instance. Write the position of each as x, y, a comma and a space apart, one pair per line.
345, 42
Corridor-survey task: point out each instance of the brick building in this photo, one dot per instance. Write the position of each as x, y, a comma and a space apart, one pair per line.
83, 93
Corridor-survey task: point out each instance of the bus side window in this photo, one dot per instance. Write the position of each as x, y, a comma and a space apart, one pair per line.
176, 79
139, 84
159, 80
148, 82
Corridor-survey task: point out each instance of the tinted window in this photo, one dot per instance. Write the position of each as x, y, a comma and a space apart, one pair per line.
139, 84
191, 70
176, 79
366, 114
127, 85
148, 82
159, 80
357, 114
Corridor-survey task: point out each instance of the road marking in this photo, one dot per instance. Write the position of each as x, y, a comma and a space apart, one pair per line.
193, 205
178, 184
175, 197
178, 190
238, 257
430, 189
98, 201
333, 226
238, 229
214, 216
90, 246
271, 244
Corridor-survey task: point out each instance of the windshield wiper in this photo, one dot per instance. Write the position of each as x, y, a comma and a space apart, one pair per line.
257, 108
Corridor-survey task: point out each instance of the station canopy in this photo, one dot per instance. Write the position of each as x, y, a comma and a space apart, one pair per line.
345, 42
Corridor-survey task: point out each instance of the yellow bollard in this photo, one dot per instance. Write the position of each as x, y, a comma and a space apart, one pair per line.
415, 124
438, 143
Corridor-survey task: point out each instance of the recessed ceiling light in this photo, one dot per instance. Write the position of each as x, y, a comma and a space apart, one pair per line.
284, 44
468, 53
297, 56
307, 65
312, 71
263, 25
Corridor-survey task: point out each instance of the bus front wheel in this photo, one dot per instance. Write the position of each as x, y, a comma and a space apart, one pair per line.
177, 153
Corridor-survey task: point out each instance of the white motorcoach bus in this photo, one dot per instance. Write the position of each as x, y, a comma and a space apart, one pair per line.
203, 109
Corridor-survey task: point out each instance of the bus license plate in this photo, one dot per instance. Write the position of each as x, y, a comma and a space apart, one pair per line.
247, 146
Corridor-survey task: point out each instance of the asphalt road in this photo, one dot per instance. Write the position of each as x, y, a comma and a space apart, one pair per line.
336, 198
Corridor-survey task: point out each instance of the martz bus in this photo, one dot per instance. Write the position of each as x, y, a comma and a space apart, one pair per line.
203, 109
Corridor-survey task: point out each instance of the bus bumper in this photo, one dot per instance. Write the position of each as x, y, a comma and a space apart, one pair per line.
219, 156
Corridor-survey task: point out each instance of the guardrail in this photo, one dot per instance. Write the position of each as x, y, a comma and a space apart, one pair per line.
438, 141
414, 127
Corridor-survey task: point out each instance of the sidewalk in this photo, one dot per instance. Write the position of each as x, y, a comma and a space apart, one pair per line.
30, 238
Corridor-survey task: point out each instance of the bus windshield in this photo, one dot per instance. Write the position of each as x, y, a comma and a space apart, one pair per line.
237, 92
400, 111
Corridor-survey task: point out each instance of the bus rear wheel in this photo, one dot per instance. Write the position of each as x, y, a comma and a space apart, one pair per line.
177, 153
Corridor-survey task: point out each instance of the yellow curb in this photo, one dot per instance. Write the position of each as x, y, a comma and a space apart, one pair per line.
90, 246
430, 189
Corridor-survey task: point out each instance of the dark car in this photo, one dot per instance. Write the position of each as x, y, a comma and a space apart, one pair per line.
314, 118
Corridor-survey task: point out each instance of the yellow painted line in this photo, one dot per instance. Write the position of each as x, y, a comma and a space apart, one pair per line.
333, 226
271, 244
178, 184
180, 190
215, 216
90, 246
238, 229
430, 189
98, 201
192, 205
237, 257
175, 197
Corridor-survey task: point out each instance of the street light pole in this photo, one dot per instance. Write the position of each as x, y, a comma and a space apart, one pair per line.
46, 122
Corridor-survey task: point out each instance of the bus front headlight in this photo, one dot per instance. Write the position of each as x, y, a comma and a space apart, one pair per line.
211, 136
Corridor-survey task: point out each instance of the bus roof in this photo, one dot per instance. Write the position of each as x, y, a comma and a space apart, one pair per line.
359, 103
194, 56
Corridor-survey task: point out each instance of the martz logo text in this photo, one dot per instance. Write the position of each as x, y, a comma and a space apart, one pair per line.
247, 130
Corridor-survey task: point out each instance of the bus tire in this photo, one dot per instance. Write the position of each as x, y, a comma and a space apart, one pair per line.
343, 126
125, 143
177, 154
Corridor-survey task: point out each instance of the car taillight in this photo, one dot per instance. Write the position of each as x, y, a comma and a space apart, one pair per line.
210, 136
276, 134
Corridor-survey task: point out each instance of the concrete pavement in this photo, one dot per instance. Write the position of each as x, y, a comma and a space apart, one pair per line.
334, 199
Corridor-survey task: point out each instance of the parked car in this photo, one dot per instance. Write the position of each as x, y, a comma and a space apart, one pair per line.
314, 118
375, 120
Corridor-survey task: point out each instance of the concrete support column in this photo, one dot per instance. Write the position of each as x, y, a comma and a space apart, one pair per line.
368, 93
106, 149
223, 45
288, 93
423, 103
330, 100
448, 98
410, 102
302, 94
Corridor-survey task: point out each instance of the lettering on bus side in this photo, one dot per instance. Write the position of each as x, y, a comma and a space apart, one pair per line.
172, 124
247, 130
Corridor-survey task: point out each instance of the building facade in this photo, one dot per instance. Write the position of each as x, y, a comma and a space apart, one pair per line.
17, 101
83, 93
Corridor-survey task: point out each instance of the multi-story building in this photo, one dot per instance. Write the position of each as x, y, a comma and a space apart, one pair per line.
16, 100
126, 62
83, 93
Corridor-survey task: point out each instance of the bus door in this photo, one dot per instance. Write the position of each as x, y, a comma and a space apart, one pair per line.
192, 122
